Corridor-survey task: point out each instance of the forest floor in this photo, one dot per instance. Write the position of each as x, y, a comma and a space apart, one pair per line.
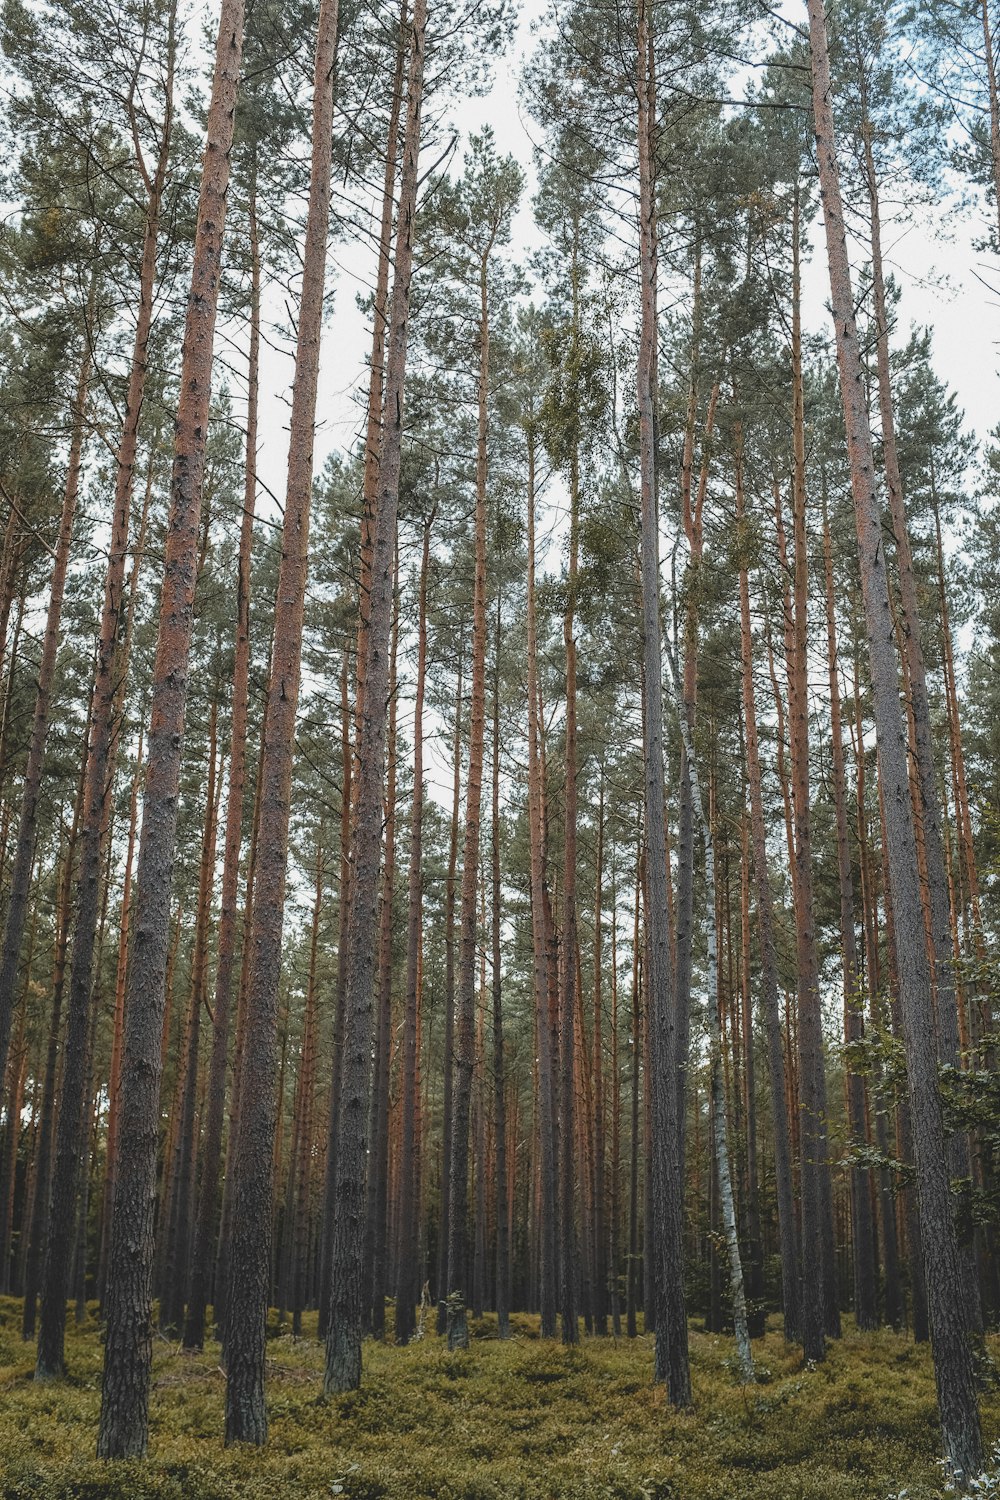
519, 1420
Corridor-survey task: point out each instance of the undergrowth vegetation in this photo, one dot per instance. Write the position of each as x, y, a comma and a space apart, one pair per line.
519, 1420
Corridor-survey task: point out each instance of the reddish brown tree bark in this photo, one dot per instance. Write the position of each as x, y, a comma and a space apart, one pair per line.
249, 1255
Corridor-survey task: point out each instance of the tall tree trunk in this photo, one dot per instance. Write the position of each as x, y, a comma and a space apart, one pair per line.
302, 1193
449, 1002
567, 1057
458, 1287
211, 1150
952, 1359
128, 1339
906, 1197
691, 514
479, 1144
869, 906
503, 1285
407, 1267
787, 1222
757, 1307
614, 1196
376, 1231
600, 1231
717, 1090
671, 1321
343, 1341
118, 1028
539, 937
343, 915
249, 1256
862, 1237
239, 1042
632, 1277
178, 1230
819, 1313
350, 780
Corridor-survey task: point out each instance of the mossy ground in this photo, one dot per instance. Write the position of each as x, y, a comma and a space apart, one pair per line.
519, 1420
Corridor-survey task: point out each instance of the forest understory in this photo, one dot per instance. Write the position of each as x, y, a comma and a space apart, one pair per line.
519, 1419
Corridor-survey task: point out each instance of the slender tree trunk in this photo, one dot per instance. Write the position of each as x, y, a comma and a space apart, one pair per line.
887, 1201
114, 1078
862, 1237
819, 1313
539, 939
787, 1223
671, 1321
479, 1163
302, 1193
503, 1281
600, 1235
567, 1058
449, 1003
178, 1230
128, 1340
718, 1094
952, 1359
458, 1288
757, 1313
211, 1151
614, 1205
407, 1268
350, 779
906, 1198
343, 1343
343, 914
632, 1278
376, 1231
239, 1043
249, 1256
691, 514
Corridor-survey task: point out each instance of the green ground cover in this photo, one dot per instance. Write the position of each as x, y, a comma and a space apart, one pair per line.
520, 1420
